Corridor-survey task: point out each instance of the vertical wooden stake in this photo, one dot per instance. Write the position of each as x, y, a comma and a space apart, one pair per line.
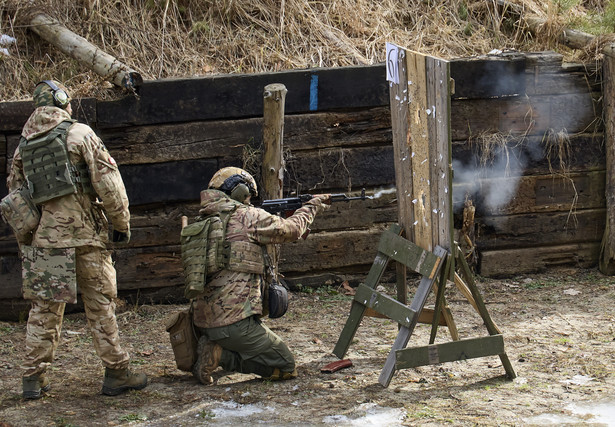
607, 249
272, 171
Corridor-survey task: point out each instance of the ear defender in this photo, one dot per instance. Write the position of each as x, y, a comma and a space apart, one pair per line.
240, 193
60, 97
237, 188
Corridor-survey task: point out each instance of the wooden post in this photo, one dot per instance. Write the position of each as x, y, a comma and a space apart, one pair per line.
607, 249
85, 52
273, 161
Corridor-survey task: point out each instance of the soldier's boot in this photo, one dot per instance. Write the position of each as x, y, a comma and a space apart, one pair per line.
278, 375
118, 381
208, 359
34, 385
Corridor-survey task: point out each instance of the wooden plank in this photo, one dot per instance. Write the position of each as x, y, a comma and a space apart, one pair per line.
384, 305
532, 116
402, 159
570, 82
426, 316
3, 155
409, 254
417, 305
509, 262
473, 76
540, 229
167, 182
227, 138
538, 193
533, 155
418, 139
15, 114
449, 352
235, 96
340, 168
439, 96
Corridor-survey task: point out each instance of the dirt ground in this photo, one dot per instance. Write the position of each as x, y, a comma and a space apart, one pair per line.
559, 335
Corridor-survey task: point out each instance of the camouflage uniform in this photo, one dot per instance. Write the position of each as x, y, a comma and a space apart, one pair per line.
77, 221
229, 311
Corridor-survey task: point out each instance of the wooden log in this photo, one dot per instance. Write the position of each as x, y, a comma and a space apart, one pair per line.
273, 134
508, 262
85, 52
272, 170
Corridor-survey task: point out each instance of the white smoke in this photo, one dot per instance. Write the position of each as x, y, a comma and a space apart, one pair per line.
494, 184
382, 192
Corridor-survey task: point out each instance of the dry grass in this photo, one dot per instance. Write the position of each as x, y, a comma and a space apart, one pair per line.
181, 38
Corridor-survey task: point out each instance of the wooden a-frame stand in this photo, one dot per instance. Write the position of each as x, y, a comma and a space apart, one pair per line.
420, 92
435, 268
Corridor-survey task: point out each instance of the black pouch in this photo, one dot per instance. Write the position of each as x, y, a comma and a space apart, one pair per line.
278, 300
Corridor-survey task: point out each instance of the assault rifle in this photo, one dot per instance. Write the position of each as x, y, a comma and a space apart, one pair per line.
291, 204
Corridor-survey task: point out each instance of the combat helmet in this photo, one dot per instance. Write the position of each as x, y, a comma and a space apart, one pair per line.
50, 93
235, 182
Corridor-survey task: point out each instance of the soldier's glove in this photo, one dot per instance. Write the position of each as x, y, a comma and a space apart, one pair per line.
120, 237
321, 201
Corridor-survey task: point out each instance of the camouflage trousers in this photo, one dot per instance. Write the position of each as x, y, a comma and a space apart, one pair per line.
96, 281
250, 347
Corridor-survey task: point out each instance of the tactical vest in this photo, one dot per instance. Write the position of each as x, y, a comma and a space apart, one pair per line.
205, 251
48, 169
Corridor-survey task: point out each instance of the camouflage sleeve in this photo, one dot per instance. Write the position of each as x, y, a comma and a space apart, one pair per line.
16, 176
107, 181
275, 229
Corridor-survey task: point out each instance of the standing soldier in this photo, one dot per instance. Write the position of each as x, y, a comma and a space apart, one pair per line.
76, 185
227, 314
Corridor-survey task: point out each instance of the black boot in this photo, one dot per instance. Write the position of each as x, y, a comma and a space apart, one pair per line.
34, 385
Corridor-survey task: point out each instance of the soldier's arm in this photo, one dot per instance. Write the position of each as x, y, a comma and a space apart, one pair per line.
16, 176
107, 181
275, 229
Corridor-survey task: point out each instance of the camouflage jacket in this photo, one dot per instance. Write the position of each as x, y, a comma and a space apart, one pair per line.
76, 219
231, 296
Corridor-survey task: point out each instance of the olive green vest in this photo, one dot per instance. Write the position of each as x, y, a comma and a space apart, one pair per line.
205, 251
48, 169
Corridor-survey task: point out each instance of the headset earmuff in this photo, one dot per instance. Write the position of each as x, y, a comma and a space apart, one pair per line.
240, 193
60, 97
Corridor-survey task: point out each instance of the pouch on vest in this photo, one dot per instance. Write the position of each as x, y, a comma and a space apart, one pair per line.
203, 252
49, 274
20, 213
184, 339
47, 166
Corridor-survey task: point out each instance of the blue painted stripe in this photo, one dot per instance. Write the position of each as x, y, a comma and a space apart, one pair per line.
314, 93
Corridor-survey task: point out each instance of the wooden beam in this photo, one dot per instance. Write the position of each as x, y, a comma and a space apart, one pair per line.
449, 352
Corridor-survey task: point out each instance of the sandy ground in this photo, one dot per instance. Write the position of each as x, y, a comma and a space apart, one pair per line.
559, 335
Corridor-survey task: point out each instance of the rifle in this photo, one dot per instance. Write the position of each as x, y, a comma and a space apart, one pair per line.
291, 204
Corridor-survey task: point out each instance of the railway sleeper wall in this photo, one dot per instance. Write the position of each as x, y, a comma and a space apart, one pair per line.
528, 151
